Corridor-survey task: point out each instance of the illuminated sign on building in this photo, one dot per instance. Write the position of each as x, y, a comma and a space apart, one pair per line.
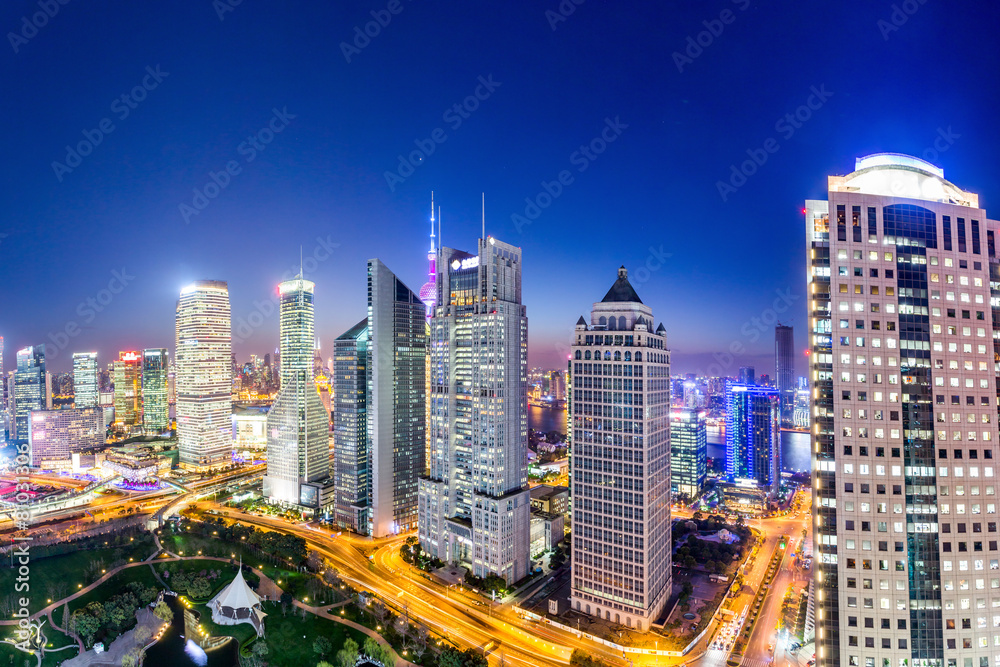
129, 356
467, 263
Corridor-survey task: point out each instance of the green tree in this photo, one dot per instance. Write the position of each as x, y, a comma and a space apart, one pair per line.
347, 656
85, 625
322, 645
199, 588
163, 612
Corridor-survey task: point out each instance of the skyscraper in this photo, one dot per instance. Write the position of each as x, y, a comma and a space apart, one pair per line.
29, 389
396, 366
621, 555
155, 406
784, 369
350, 428
753, 448
203, 378
3, 397
474, 503
688, 452
55, 435
86, 387
747, 375
128, 388
298, 425
903, 271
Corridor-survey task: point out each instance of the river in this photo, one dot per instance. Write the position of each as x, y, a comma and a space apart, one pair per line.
175, 650
795, 454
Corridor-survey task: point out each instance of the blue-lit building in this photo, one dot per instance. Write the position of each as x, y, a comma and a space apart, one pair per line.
753, 450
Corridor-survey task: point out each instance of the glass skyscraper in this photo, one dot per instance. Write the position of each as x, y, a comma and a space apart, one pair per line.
203, 380
350, 428
86, 384
155, 408
29, 389
621, 555
128, 388
688, 452
903, 286
474, 503
784, 369
753, 446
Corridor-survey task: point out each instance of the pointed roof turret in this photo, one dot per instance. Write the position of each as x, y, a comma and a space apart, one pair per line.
581, 322
622, 290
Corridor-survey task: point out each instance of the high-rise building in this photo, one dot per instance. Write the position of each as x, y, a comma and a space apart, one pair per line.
903, 342
474, 502
753, 446
3, 397
784, 369
621, 555
298, 425
350, 428
397, 346
29, 389
688, 452
747, 375
55, 435
86, 387
203, 375
155, 406
128, 388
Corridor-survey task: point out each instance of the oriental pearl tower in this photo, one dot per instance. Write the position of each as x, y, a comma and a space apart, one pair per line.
428, 293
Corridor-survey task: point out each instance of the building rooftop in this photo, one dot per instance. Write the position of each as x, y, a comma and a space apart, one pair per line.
622, 290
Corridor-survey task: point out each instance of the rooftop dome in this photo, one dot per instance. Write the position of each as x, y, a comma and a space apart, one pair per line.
905, 176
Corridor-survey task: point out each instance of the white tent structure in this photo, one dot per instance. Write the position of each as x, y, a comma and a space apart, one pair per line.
237, 603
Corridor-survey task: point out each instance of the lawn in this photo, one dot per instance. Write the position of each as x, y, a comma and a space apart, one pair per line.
115, 585
284, 636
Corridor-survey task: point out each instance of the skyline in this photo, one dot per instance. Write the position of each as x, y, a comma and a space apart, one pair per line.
344, 124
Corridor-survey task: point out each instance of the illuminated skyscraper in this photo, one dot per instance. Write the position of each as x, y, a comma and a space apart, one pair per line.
203, 376
155, 406
784, 369
86, 387
904, 337
474, 504
350, 428
688, 452
3, 397
753, 445
298, 425
128, 388
621, 555
29, 389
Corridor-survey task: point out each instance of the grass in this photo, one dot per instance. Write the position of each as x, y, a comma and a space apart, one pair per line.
284, 636
115, 585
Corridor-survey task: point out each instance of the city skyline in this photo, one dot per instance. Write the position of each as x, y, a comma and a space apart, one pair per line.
333, 139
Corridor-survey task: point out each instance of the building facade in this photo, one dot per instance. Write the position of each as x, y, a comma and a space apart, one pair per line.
30, 390
753, 435
396, 370
298, 425
155, 408
688, 453
784, 370
904, 331
127, 373
350, 428
203, 375
621, 551
474, 503
86, 385
55, 435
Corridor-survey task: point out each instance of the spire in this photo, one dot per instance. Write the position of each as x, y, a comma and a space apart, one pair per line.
432, 221
484, 215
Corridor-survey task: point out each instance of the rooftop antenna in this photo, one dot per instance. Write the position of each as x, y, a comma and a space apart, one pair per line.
440, 242
484, 216
432, 221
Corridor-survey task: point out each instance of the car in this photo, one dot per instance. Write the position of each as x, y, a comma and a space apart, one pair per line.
810, 663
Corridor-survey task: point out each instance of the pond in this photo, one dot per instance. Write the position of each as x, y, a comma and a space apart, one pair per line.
175, 650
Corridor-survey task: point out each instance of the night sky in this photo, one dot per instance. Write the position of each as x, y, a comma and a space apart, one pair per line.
661, 121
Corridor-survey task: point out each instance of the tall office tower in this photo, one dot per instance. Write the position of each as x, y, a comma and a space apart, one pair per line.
3, 397
55, 435
474, 504
688, 452
298, 425
155, 406
784, 369
747, 375
621, 553
128, 388
903, 271
753, 445
397, 347
350, 428
86, 387
203, 377
29, 389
